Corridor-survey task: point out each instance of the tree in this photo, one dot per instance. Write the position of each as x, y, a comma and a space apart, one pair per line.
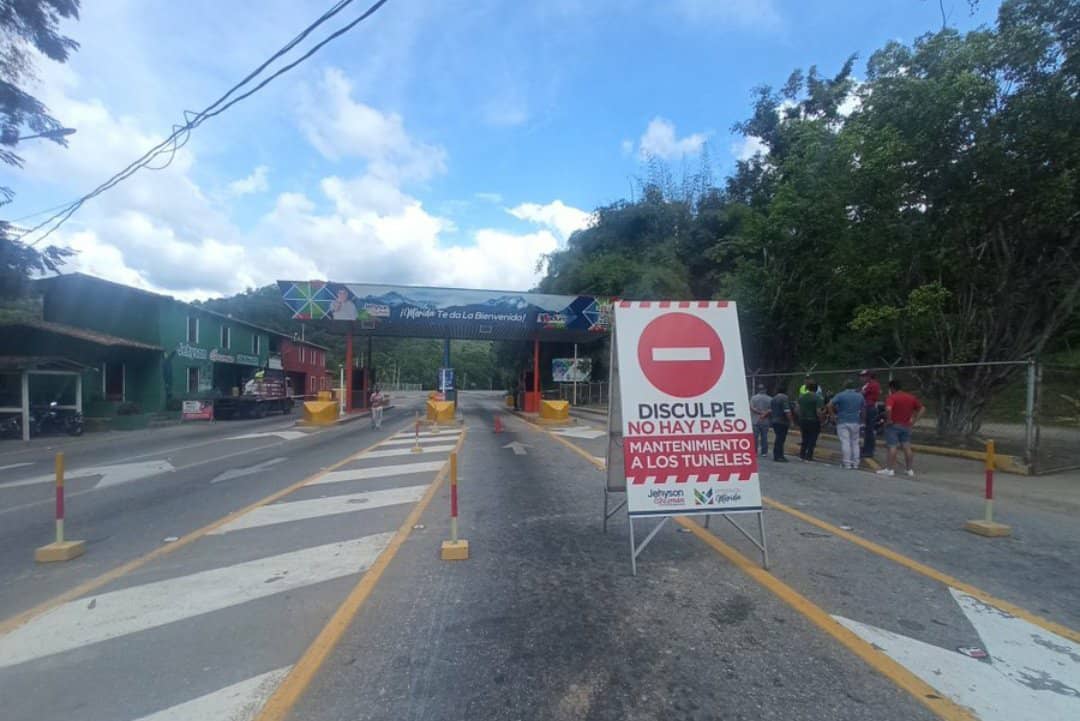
932, 210
27, 25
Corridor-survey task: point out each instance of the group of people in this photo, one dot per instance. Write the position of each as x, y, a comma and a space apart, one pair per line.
853, 409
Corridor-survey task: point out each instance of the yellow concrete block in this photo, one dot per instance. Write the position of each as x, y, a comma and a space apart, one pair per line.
325, 396
555, 410
455, 550
63, 551
440, 411
990, 529
509, 401
320, 413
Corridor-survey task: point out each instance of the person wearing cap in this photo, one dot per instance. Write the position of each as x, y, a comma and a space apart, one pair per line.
871, 391
761, 410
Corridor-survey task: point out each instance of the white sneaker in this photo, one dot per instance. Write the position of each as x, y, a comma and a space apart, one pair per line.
910, 472
886, 472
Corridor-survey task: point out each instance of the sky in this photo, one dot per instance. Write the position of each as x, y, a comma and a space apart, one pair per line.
440, 142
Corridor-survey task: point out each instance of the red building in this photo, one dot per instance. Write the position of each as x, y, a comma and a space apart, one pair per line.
305, 364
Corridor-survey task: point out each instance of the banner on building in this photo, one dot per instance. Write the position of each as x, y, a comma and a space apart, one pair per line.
449, 312
570, 370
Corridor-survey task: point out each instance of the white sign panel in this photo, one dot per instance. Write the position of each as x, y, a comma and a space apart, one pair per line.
688, 443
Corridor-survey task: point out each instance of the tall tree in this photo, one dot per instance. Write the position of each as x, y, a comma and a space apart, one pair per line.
26, 26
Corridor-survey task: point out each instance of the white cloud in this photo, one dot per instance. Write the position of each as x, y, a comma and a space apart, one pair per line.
627, 147
489, 197
747, 147
340, 127
660, 140
161, 231
254, 183
556, 215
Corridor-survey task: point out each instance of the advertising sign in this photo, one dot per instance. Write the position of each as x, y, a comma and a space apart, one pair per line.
445, 312
197, 411
569, 370
688, 443
446, 380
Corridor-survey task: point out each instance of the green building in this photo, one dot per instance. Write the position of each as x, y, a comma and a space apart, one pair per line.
198, 354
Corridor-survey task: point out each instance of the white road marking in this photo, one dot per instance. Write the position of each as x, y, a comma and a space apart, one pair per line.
681, 354
359, 474
239, 702
129, 610
1031, 675
15, 465
389, 452
580, 432
318, 507
283, 435
517, 447
110, 475
429, 434
411, 440
239, 472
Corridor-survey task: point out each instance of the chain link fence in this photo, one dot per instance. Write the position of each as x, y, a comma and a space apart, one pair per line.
1033, 414
587, 394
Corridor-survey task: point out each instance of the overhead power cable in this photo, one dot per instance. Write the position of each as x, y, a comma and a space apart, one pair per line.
181, 134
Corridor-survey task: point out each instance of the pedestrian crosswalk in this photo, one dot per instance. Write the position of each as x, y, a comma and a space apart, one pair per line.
230, 598
287, 511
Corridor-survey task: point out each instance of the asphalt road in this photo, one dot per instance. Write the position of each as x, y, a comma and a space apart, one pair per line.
330, 601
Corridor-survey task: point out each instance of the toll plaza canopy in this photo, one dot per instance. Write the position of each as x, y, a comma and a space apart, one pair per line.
419, 312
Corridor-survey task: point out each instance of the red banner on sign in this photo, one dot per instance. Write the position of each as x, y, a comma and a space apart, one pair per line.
689, 459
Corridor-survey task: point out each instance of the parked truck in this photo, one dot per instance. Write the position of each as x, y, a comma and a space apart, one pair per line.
265, 392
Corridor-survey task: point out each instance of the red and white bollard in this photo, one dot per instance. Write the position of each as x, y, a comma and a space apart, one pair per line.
986, 526
456, 549
59, 550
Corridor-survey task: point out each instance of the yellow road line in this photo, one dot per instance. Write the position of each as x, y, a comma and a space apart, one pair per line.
927, 571
299, 678
97, 582
923, 692
921, 568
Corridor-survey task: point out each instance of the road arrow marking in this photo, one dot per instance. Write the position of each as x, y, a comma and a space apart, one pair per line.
283, 435
1031, 674
110, 475
517, 447
585, 432
238, 472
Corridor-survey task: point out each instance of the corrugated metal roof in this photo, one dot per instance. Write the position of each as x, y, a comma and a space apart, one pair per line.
45, 363
91, 336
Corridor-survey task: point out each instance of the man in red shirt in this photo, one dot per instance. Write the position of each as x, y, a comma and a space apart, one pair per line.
902, 412
871, 391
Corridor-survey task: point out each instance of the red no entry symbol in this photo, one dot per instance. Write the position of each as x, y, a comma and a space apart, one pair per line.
681, 355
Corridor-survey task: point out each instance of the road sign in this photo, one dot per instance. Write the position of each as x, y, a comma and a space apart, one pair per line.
688, 444
446, 379
680, 354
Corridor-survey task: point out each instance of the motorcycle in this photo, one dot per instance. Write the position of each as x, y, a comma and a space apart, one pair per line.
11, 426
54, 420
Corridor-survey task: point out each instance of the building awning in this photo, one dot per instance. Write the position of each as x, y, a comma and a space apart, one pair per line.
19, 363
90, 336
